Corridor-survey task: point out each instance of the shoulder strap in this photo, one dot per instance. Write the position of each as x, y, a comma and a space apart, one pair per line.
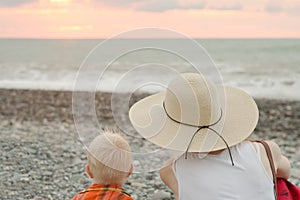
271, 161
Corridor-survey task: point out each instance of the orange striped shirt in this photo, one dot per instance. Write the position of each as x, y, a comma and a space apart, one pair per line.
103, 192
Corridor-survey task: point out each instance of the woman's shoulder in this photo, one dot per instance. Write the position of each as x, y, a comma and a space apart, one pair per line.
275, 150
281, 163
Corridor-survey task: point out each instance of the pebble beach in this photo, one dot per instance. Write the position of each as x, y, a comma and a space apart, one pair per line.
42, 157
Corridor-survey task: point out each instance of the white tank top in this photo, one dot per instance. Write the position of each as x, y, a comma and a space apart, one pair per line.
214, 178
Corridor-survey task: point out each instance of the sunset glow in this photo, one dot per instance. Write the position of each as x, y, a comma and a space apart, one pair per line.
60, 1
104, 18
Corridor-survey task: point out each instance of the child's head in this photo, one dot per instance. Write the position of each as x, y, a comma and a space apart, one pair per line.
109, 159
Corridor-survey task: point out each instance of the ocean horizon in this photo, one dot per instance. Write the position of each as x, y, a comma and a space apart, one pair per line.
266, 68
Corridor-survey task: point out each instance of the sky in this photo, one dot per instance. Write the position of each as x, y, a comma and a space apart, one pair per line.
107, 18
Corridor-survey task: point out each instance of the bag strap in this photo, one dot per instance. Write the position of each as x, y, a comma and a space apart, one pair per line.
271, 161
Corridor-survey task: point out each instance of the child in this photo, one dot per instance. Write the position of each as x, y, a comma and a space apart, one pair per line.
108, 164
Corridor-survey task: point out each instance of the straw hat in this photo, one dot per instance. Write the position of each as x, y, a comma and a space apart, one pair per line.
195, 115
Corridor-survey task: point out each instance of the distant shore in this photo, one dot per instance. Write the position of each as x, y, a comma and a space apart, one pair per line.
44, 160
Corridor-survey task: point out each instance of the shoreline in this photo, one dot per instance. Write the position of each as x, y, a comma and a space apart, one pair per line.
43, 158
256, 92
30, 104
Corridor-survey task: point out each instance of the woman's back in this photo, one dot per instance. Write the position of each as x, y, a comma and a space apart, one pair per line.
213, 177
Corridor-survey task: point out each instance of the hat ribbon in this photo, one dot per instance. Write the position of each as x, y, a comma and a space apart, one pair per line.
198, 129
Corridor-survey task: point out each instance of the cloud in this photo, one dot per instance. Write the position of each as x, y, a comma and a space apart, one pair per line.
273, 7
231, 7
165, 5
161, 6
119, 3
158, 6
290, 7
155, 5
294, 9
14, 3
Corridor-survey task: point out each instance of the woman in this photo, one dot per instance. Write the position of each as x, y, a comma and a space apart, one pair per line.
210, 124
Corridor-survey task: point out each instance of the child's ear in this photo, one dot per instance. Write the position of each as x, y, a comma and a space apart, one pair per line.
88, 171
130, 171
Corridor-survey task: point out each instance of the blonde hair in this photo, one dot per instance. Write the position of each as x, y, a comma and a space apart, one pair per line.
109, 158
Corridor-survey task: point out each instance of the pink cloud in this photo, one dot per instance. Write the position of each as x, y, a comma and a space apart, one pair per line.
77, 20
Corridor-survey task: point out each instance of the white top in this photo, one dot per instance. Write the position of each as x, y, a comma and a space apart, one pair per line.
213, 177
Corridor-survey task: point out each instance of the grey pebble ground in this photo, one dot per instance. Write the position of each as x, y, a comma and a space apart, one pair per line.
43, 159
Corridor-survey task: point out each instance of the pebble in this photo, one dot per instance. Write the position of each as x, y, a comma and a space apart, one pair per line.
295, 173
161, 195
297, 155
42, 159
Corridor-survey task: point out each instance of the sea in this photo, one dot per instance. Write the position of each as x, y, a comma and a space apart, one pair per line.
265, 68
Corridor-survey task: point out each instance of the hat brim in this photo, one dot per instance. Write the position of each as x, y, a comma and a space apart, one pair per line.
239, 119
